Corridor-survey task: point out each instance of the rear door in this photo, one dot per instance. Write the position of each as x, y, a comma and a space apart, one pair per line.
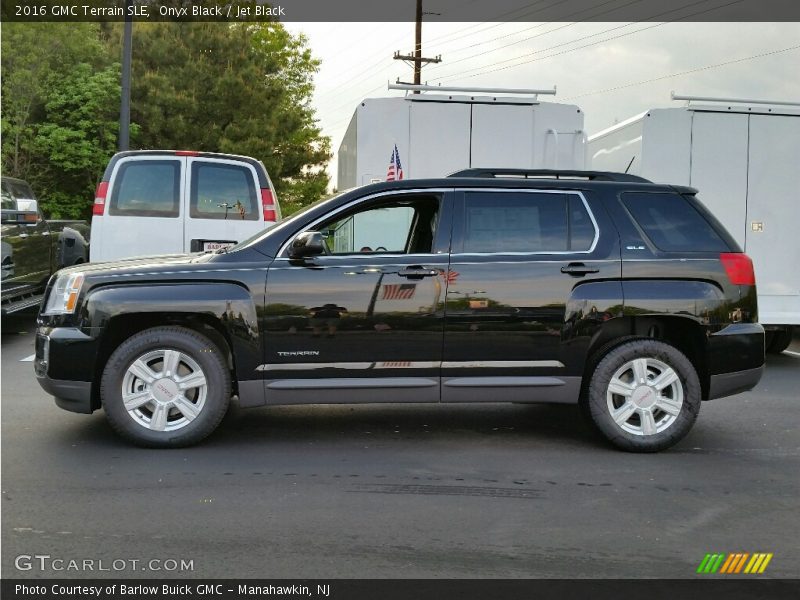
143, 216
223, 205
773, 215
519, 257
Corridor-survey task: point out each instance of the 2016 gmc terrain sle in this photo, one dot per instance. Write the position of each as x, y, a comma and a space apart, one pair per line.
493, 285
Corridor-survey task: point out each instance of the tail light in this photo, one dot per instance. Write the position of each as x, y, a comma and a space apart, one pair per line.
268, 205
100, 198
739, 268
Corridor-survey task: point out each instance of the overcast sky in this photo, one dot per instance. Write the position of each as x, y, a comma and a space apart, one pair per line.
611, 70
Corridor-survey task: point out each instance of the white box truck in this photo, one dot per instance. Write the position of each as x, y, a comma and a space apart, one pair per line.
447, 129
744, 157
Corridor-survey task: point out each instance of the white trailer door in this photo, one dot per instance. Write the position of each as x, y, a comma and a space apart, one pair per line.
719, 167
502, 136
773, 216
439, 139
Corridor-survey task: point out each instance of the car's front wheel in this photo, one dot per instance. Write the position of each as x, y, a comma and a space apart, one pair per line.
166, 387
643, 396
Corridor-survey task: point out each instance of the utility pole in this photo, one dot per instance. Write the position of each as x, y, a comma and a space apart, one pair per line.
416, 59
125, 99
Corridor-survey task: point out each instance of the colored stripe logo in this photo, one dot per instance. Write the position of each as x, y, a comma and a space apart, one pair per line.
735, 563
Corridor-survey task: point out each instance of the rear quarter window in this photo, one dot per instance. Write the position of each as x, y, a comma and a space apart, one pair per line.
671, 222
149, 188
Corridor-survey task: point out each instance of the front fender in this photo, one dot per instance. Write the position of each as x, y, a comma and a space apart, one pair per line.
228, 305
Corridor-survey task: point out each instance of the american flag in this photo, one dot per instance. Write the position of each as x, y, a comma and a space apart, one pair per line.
399, 291
395, 171
449, 276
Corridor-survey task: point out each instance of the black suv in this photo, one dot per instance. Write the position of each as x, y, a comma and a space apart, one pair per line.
493, 285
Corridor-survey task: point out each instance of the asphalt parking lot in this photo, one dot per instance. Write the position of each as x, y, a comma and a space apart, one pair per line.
399, 491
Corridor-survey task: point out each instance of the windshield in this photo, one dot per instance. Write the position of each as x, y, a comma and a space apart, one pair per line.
283, 224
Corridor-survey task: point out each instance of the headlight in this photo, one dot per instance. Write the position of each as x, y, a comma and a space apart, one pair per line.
64, 296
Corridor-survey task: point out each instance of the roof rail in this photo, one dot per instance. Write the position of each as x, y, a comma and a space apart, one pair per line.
449, 88
550, 173
689, 99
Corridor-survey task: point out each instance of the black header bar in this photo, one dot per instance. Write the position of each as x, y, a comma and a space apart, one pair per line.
731, 588
232, 11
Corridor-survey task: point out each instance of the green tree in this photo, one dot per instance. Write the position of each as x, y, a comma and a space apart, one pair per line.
242, 88
60, 97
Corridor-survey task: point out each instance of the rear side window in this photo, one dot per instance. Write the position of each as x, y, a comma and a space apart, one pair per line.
672, 223
222, 191
149, 188
526, 222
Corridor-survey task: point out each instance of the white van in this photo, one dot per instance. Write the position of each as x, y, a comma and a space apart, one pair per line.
154, 202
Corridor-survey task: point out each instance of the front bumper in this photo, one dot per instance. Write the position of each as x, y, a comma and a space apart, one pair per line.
74, 396
63, 365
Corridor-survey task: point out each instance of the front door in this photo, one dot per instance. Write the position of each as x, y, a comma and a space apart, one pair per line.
363, 323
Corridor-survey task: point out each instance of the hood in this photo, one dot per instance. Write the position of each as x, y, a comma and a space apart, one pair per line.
141, 264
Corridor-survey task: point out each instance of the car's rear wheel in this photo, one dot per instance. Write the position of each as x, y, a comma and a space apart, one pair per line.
643, 396
166, 387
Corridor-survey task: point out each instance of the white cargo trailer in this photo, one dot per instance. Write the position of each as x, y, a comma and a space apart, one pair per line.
436, 133
744, 158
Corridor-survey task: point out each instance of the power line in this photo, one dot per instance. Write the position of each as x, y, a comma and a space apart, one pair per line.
452, 62
366, 72
475, 72
681, 73
497, 17
374, 68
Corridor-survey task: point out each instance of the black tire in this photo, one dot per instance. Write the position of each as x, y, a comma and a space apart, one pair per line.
673, 426
193, 348
779, 340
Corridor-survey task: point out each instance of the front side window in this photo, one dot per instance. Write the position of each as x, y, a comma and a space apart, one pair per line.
223, 191
404, 226
149, 188
497, 222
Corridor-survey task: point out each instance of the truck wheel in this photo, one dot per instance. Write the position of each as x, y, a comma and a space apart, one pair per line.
166, 387
779, 340
643, 396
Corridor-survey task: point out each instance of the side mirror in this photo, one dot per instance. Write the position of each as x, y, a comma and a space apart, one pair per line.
308, 243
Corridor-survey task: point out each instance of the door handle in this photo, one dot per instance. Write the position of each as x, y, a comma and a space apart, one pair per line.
416, 272
578, 269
